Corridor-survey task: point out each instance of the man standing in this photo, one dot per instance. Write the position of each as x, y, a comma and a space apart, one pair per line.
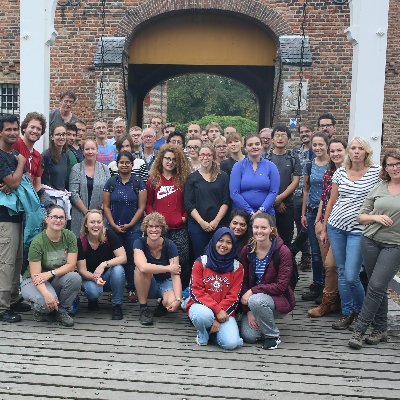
32, 128
105, 151
63, 114
76, 154
289, 168
193, 130
265, 136
229, 129
168, 129
81, 132
119, 130
11, 170
235, 143
136, 135
149, 151
213, 130
156, 123
327, 124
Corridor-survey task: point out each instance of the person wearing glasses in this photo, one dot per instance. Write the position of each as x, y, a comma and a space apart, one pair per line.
177, 139
192, 149
221, 149
380, 248
51, 283
206, 199
327, 124
165, 188
124, 202
266, 139
156, 122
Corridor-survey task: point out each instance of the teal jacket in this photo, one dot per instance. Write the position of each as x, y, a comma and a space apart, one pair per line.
25, 199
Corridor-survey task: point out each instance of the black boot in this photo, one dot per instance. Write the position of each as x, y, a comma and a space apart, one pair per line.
313, 293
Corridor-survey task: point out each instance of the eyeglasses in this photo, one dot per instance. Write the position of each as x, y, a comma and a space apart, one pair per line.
153, 226
205, 155
169, 159
393, 166
58, 217
325, 126
221, 147
193, 147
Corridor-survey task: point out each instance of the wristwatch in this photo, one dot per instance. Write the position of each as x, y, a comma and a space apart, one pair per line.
53, 272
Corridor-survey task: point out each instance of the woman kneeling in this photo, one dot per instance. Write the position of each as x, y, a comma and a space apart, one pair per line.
266, 290
157, 269
100, 258
214, 292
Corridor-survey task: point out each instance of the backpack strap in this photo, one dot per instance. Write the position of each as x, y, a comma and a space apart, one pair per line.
84, 243
113, 182
204, 259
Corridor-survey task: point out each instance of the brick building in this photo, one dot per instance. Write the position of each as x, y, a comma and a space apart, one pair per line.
77, 62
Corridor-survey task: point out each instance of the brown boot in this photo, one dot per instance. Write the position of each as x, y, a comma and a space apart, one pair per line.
329, 305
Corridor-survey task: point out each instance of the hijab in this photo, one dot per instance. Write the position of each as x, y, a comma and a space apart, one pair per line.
216, 261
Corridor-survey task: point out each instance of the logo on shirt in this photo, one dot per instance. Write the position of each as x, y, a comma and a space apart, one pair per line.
165, 191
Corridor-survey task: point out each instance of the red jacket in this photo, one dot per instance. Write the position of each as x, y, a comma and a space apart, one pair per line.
275, 280
167, 199
213, 290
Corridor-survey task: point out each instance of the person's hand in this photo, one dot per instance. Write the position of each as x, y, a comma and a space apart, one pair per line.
184, 219
20, 158
51, 301
222, 316
125, 227
43, 277
323, 237
5, 188
246, 296
174, 306
252, 320
175, 269
213, 224
98, 272
304, 221
100, 282
383, 220
205, 226
215, 327
117, 229
280, 208
254, 215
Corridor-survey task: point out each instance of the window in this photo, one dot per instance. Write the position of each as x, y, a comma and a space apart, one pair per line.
9, 98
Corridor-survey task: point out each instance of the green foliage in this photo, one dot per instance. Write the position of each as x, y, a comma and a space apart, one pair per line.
190, 97
243, 125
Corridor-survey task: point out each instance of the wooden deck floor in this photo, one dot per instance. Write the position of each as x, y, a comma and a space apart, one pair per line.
103, 359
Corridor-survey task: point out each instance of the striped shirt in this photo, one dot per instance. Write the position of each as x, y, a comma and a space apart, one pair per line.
351, 196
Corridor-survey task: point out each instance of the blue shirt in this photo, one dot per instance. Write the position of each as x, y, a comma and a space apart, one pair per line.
159, 143
124, 201
316, 178
106, 153
251, 190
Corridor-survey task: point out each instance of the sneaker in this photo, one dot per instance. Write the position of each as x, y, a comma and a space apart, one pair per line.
93, 305
313, 293
10, 317
376, 337
64, 319
146, 316
160, 310
20, 306
343, 322
271, 343
356, 340
117, 312
132, 297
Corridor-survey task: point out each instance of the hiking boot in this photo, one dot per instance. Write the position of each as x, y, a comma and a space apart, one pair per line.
146, 316
20, 306
39, 317
314, 291
330, 304
132, 297
376, 337
10, 317
354, 322
93, 305
356, 340
160, 310
64, 319
117, 312
271, 343
343, 322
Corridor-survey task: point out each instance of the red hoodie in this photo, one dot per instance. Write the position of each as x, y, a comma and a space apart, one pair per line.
167, 199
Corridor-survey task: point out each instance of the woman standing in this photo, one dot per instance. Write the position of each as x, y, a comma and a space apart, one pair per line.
206, 200
380, 247
351, 184
124, 201
165, 187
266, 290
192, 148
100, 258
254, 181
312, 190
86, 184
330, 299
51, 283
240, 226
212, 308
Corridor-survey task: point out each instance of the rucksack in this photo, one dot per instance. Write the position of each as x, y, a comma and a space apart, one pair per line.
288, 154
136, 184
84, 242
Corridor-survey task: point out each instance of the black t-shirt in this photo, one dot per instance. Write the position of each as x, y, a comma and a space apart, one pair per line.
90, 183
227, 165
103, 253
8, 164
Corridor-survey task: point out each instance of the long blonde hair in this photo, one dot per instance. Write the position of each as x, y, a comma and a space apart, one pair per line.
84, 229
214, 170
347, 163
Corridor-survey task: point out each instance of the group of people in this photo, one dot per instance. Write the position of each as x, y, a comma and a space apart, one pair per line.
203, 222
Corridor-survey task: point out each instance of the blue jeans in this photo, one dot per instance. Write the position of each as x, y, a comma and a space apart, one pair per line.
199, 238
157, 288
316, 257
346, 248
228, 335
128, 238
115, 282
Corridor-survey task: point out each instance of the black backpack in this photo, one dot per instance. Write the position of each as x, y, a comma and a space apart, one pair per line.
136, 184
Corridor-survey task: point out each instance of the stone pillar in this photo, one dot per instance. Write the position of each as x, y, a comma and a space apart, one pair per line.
368, 35
37, 34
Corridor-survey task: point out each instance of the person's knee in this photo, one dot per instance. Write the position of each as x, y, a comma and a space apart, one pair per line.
201, 315
248, 334
117, 273
260, 300
73, 280
231, 342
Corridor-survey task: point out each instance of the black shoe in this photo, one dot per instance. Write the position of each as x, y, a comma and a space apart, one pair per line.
93, 305
117, 312
146, 316
20, 306
318, 300
271, 343
10, 316
160, 310
313, 293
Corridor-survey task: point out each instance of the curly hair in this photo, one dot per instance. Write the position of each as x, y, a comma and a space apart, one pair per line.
347, 163
84, 229
182, 167
34, 115
157, 218
391, 153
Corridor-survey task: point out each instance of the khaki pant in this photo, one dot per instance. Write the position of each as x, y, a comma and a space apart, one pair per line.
331, 276
11, 244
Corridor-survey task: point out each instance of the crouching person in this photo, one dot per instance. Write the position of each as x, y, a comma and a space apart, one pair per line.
266, 290
100, 258
214, 292
157, 269
51, 284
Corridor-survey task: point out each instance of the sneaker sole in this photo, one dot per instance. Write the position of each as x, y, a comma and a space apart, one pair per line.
278, 342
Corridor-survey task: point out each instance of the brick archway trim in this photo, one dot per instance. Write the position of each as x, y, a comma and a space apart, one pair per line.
272, 20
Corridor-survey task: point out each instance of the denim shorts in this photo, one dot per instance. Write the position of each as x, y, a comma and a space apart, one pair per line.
157, 288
